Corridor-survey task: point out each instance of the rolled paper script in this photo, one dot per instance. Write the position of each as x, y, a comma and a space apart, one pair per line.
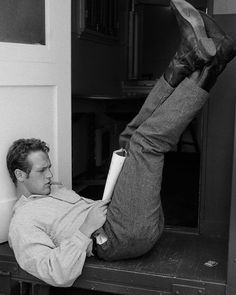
117, 161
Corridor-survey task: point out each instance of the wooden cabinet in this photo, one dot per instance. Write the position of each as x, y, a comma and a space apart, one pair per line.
153, 38
96, 20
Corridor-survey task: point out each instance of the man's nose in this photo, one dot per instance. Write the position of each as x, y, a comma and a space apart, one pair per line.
49, 174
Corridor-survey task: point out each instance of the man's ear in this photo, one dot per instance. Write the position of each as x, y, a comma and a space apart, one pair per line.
20, 175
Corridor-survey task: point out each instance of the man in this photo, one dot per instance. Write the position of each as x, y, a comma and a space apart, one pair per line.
52, 227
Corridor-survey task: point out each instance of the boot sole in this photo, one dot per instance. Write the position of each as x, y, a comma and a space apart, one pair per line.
193, 17
224, 41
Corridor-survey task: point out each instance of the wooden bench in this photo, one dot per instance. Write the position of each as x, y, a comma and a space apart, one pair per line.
176, 265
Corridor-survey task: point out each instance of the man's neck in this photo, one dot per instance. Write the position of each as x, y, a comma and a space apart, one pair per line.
21, 190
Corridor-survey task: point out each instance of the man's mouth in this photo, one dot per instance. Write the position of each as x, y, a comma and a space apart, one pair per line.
56, 183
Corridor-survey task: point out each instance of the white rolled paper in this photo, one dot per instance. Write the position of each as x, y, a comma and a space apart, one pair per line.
117, 161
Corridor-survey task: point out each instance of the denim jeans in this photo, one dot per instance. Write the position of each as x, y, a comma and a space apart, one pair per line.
135, 218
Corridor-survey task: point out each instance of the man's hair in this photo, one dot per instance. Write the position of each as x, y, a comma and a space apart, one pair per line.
18, 153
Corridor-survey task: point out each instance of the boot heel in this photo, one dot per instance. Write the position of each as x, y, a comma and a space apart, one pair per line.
208, 47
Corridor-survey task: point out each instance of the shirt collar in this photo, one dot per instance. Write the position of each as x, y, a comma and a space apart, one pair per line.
23, 200
60, 193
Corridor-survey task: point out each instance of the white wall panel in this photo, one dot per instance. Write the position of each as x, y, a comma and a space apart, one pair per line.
35, 99
27, 112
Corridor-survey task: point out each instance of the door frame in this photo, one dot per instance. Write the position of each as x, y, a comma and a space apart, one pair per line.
231, 275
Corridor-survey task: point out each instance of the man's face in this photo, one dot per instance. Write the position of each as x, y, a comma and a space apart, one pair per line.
39, 179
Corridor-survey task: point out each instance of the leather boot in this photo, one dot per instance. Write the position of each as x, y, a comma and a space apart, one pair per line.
195, 49
225, 52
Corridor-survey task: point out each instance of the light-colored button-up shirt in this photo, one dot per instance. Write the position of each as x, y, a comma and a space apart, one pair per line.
45, 237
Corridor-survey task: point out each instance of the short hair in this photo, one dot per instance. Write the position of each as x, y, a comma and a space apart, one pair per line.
18, 153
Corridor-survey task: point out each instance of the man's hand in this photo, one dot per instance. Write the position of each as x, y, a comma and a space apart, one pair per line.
95, 218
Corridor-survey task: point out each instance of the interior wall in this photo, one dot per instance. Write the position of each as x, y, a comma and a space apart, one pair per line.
224, 6
219, 142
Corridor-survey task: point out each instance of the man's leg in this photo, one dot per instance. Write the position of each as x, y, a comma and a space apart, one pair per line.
135, 217
160, 92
